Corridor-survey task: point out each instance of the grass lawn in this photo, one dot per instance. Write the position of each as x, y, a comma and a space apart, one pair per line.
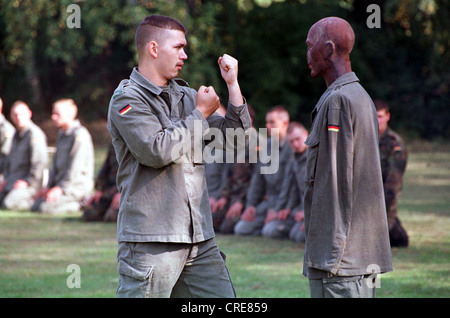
35, 250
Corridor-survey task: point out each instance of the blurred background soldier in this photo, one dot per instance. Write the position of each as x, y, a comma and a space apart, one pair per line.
286, 219
264, 188
227, 209
103, 205
71, 176
6, 135
393, 157
26, 162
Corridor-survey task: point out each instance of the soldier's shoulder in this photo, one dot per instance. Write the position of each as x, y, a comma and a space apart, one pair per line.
37, 132
395, 139
83, 135
124, 89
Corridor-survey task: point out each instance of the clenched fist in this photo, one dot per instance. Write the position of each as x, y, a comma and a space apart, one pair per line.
229, 70
207, 101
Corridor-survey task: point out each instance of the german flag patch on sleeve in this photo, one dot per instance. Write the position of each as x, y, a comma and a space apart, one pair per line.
333, 128
125, 109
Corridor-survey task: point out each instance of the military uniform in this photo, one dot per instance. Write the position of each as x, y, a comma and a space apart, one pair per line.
393, 157
27, 161
291, 197
264, 190
234, 191
72, 170
106, 183
163, 191
345, 216
7, 131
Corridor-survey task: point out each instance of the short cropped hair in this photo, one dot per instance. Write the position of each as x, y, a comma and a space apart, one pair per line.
381, 105
68, 105
294, 125
18, 103
281, 111
150, 29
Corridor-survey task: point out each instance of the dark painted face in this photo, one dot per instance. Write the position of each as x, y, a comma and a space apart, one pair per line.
316, 52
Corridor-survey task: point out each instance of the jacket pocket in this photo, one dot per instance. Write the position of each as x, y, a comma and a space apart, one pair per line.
312, 142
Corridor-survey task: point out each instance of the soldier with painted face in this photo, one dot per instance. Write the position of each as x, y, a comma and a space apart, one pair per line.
347, 239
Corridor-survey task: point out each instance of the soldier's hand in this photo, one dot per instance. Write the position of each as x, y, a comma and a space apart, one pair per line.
115, 202
54, 194
221, 203
213, 204
207, 101
20, 184
228, 68
249, 214
283, 214
41, 193
234, 211
299, 216
271, 215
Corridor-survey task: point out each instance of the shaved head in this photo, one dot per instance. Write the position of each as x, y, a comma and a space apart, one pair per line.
336, 30
330, 42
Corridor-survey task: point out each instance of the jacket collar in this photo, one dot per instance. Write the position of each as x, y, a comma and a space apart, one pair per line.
25, 129
342, 80
76, 124
144, 82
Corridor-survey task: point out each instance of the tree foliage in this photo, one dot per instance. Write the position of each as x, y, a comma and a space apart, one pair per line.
406, 61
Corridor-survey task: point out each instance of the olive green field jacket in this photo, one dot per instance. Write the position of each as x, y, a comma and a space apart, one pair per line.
161, 176
345, 215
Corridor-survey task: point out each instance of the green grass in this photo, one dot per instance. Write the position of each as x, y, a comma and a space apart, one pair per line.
35, 250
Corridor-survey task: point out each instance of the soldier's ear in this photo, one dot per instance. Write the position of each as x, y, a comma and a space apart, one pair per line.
152, 48
330, 48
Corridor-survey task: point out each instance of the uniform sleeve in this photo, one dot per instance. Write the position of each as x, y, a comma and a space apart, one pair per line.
148, 141
340, 142
295, 197
257, 188
79, 175
39, 159
394, 178
6, 137
101, 181
286, 189
235, 117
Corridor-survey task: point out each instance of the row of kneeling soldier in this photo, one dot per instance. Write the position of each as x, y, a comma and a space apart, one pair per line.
29, 182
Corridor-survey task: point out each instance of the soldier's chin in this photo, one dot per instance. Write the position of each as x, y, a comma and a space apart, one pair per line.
314, 74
